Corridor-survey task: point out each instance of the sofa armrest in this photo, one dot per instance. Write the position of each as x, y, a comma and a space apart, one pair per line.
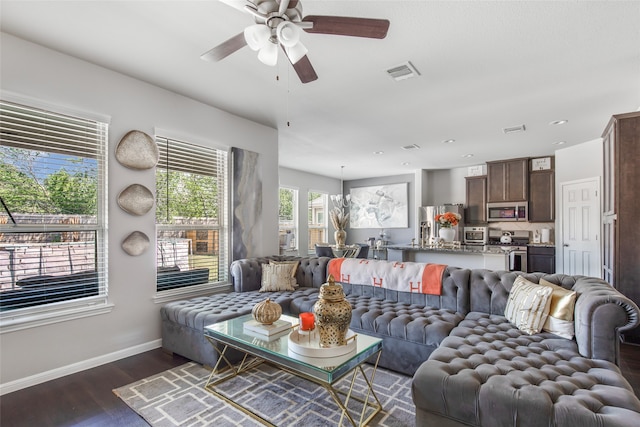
246, 274
601, 313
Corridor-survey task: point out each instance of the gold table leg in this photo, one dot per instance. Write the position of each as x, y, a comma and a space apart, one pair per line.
377, 407
333, 392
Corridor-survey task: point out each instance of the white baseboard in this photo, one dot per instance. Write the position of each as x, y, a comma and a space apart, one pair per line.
77, 367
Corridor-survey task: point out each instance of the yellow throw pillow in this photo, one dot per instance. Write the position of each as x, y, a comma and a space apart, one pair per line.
528, 305
277, 277
560, 321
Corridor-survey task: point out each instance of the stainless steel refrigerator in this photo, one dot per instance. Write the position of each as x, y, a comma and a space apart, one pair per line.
429, 228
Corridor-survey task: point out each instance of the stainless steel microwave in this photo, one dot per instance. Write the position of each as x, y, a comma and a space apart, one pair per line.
508, 211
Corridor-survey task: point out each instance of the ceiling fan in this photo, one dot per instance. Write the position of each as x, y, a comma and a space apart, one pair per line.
280, 22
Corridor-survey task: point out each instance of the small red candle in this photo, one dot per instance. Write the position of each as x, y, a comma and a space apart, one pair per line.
307, 321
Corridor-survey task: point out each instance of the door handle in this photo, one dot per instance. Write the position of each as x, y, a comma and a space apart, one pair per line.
566, 245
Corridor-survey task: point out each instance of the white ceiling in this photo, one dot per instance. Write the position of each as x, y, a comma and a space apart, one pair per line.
484, 66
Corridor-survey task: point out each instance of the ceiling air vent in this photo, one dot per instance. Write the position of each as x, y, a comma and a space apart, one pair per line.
403, 71
513, 129
411, 147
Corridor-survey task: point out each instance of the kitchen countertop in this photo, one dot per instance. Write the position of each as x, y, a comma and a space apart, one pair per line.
542, 245
469, 250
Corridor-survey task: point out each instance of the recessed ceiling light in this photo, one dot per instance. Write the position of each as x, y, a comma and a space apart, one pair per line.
559, 142
405, 163
378, 153
411, 147
558, 122
467, 155
448, 141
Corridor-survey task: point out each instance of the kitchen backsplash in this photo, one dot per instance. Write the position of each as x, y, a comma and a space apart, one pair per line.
531, 227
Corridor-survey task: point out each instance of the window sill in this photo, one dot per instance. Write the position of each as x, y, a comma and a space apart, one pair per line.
12, 321
191, 292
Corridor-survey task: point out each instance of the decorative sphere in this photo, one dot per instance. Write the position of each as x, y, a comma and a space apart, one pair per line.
266, 312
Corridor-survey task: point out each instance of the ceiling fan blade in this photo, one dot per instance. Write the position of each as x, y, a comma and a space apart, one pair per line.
225, 49
304, 69
346, 26
238, 4
283, 6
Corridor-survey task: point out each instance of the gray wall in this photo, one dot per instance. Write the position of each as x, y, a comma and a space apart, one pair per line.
305, 182
35, 73
396, 235
575, 163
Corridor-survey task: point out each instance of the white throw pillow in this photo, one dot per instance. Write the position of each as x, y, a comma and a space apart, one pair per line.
560, 320
277, 277
528, 305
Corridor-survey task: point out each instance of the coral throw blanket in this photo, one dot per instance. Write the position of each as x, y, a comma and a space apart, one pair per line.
399, 276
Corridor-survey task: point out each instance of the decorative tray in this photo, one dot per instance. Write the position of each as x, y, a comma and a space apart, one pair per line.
309, 344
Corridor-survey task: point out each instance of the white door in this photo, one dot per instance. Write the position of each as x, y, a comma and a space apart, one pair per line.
581, 227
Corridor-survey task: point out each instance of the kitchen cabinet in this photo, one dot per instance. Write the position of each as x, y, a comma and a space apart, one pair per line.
508, 180
476, 199
621, 234
542, 193
541, 259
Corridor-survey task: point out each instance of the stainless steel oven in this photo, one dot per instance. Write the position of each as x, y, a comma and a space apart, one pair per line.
507, 211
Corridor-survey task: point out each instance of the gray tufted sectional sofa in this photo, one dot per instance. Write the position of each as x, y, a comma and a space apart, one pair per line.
470, 366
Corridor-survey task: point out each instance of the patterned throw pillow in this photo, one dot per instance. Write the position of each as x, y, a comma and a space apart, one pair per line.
528, 305
560, 321
294, 267
277, 277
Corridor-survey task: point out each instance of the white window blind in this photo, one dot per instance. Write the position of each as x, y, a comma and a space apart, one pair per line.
288, 220
191, 208
52, 222
318, 229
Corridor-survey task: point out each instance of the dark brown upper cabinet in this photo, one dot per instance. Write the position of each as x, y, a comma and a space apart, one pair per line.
542, 194
508, 180
476, 207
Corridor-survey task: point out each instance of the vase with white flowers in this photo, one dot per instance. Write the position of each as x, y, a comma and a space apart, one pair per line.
447, 221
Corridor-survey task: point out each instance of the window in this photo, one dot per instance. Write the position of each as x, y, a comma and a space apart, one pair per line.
191, 220
52, 213
288, 220
317, 220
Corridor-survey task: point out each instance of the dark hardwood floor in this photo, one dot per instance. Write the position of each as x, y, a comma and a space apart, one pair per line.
86, 398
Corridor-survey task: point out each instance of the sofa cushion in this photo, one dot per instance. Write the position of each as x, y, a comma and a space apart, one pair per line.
198, 312
415, 323
490, 373
528, 305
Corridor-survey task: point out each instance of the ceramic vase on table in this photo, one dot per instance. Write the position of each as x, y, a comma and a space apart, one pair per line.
333, 315
340, 237
447, 234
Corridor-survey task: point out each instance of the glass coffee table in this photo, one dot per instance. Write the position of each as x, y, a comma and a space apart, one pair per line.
275, 351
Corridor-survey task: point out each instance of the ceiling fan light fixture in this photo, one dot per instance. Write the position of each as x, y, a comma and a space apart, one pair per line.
268, 55
257, 36
296, 52
288, 34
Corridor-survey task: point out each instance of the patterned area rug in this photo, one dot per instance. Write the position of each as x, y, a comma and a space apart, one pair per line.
177, 398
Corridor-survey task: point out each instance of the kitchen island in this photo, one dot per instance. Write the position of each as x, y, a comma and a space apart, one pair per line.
489, 257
